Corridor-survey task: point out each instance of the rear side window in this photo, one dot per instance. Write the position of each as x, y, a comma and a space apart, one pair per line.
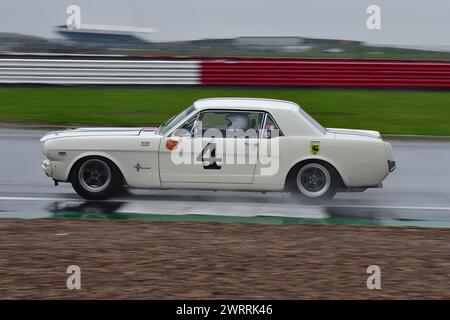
271, 129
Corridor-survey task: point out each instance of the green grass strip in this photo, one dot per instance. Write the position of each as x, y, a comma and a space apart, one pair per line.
388, 111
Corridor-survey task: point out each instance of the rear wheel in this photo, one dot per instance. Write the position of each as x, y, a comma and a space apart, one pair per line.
95, 178
315, 181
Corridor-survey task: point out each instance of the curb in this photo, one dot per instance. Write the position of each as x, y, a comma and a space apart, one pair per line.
227, 219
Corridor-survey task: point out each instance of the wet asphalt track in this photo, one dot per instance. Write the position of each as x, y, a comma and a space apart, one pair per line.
418, 189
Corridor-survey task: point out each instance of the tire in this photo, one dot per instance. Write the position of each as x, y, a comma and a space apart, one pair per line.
314, 181
96, 178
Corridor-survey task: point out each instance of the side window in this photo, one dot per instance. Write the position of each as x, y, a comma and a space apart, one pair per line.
186, 129
231, 124
213, 120
256, 119
188, 125
271, 129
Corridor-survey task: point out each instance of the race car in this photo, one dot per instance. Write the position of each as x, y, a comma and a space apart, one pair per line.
242, 144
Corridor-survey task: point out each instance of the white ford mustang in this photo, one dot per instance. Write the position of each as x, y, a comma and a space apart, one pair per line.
221, 144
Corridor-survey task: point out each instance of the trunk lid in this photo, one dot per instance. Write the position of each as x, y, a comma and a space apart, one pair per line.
355, 134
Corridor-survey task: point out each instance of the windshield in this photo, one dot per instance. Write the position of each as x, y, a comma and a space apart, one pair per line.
311, 120
169, 124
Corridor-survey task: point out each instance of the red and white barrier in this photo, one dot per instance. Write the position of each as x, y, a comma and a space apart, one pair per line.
225, 71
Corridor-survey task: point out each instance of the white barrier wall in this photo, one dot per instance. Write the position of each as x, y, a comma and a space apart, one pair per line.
66, 71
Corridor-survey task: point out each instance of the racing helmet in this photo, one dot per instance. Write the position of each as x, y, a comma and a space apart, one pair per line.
237, 121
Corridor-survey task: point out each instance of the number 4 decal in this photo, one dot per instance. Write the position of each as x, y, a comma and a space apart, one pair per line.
211, 161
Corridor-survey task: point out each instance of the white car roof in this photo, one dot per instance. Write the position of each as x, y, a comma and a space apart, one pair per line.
245, 103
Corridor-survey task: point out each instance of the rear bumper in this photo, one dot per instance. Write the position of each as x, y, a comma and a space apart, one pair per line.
392, 165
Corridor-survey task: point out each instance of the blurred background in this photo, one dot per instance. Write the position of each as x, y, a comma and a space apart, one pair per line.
407, 29
95, 57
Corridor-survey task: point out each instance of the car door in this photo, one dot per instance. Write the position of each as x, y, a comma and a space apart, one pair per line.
215, 146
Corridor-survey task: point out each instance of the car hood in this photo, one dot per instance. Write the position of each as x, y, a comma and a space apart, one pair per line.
82, 132
352, 133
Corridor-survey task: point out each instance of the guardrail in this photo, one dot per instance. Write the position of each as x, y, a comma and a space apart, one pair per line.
228, 72
68, 71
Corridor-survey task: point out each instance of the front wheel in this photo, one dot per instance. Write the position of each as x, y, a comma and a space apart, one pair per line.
95, 178
315, 181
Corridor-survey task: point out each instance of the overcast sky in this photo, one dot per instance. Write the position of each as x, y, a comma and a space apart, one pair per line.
403, 22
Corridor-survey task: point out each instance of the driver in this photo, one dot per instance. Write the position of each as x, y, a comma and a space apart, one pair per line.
237, 121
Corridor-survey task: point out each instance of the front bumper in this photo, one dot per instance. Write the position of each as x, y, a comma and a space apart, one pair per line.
47, 167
